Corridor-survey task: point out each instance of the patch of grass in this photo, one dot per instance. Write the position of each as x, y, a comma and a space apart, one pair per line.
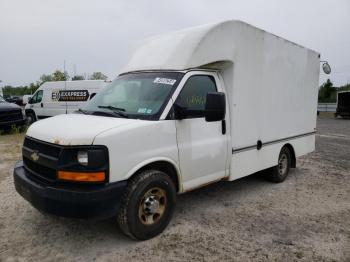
13, 130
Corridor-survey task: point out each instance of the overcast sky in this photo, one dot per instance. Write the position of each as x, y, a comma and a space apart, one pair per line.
36, 36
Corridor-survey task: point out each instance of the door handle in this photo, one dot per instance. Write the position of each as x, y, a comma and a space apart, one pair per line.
223, 127
41, 104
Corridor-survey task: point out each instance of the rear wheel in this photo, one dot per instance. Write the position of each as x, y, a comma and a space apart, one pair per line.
279, 173
147, 205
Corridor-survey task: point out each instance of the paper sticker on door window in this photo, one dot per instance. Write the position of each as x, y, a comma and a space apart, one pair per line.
165, 81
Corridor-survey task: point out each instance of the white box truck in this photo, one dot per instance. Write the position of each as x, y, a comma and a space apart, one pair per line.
215, 102
61, 97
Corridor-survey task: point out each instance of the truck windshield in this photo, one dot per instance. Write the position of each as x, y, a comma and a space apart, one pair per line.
135, 95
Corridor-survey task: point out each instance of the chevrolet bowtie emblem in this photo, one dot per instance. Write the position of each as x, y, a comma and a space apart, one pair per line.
34, 156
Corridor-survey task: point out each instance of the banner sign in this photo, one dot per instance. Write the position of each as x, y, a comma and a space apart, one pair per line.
70, 95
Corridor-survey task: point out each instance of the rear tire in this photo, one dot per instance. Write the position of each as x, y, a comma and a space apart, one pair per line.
279, 173
147, 205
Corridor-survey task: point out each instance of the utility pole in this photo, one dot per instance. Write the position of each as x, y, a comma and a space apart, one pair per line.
74, 70
1, 94
65, 79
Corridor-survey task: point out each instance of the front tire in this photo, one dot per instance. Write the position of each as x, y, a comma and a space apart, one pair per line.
147, 206
280, 172
30, 118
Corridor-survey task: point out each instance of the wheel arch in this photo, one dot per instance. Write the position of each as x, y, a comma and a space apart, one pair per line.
31, 111
291, 150
161, 164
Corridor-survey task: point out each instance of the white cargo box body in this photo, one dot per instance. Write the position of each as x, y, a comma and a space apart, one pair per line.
271, 85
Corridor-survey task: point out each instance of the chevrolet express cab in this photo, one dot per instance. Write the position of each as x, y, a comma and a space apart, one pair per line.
61, 97
210, 103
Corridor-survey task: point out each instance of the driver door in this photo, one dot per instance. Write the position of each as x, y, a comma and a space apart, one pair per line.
202, 145
36, 103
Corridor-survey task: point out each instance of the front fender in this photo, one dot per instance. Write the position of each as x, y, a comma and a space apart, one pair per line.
133, 146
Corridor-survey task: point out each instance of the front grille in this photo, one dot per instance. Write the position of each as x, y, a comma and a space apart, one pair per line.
13, 115
40, 159
40, 171
43, 147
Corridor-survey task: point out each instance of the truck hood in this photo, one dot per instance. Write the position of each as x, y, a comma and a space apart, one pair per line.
74, 129
4, 106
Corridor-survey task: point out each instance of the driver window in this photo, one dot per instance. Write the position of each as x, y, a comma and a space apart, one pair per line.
193, 94
33, 99
37, 97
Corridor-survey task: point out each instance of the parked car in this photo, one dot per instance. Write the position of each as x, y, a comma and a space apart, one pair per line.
10, 115
61, 97
215, 102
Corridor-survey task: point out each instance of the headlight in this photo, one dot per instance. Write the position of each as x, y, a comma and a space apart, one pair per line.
83, 158
83, 164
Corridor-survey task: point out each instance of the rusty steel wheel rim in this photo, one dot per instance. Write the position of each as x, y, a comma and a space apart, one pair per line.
283, 164
152, 206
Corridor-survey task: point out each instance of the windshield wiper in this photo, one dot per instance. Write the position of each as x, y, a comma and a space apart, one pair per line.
83, 111
117, 110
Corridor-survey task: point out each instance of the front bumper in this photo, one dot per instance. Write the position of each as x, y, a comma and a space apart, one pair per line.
78, 201
9, 124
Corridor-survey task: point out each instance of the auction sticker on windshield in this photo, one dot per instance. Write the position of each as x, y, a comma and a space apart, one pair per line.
144, 110
165, 81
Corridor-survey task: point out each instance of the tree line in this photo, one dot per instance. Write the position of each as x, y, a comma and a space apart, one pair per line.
55, 76
328, 93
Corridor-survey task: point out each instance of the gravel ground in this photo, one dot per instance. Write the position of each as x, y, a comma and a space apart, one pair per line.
306, 218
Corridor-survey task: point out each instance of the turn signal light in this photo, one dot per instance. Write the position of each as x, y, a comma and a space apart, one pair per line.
82, 176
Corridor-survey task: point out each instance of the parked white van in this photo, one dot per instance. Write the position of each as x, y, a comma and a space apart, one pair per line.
215, 102
61, 97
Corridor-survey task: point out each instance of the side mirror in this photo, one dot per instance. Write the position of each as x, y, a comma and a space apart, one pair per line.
215, 107
326, 67
30, 100
179, 112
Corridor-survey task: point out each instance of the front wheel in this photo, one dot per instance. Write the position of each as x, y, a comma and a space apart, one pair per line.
147, 205
279, 173
30, 118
